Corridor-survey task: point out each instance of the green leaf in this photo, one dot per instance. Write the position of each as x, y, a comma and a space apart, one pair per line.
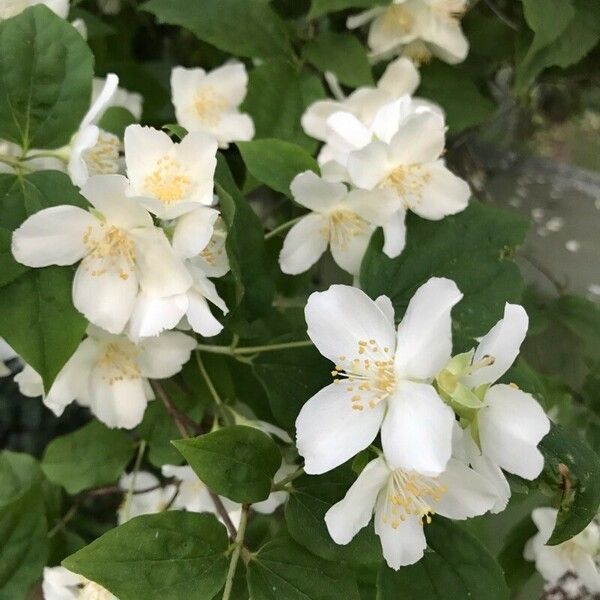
565, 31
175, 554
473, 248
290, 378
242, 28
322, 7
311, 498
237, 462
39, 320
46, 70
453, 89
22, 196
115, 120
277, 96
342, 54
579, 486
23, 527
275, 162
517, 569
456, 566
282, 570
245, 248
10, 269
91, 456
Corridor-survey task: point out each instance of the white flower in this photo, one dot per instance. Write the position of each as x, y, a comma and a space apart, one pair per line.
93, 151
420, 27
61, 584
122, 251
132, 101
209, 102
401, 500
400, 78
109, 373
6, 354
150, 496
170, 179
340, 219
507, 423
195, 496
192, 234
30, 383
406, 160
577, 555
383, 379
11, 8
213, 259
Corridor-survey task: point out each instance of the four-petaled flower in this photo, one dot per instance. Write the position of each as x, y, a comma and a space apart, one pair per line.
382, 379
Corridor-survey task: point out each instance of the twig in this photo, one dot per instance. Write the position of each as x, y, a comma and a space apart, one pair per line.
181, 420
501, 15
239, 543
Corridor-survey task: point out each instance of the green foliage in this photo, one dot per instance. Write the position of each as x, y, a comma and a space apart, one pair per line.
243, 28
278, 94
176, 553
245, 249
46, 73
564, 32
275, 162
91, 456
311, 498
237, 462
573, 470
456, 567
343, 55
321, 7
115, 120
290, 378
454, 90
473, 248
281, 569
516, 569
24, 547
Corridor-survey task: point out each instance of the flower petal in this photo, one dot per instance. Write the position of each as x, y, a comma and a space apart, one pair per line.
374, 206
502, 343
354, 511
403, 545
447, 39
417, 429
165, 355
104, 291
444, 193
342, 316
510, 428
304, 244
329, 431
587, 571
193, 231
151, 315
234, 126
400, 77
199, 317
160, 272
468, 494
107, 194
369, 166
53, 236
314, 119
424, 342
420, 139
394, 234
315, 193
349, 253
118, 403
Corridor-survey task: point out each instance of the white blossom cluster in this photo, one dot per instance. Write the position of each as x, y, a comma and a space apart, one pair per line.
147, 247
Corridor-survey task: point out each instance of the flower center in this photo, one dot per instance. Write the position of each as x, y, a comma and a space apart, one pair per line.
169, 182
209, 105
113, 249
119, 362
408, 182
410, 494
342, 226
370, 375
418, 52
398, 17
92, 591
103, 158
213, 251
